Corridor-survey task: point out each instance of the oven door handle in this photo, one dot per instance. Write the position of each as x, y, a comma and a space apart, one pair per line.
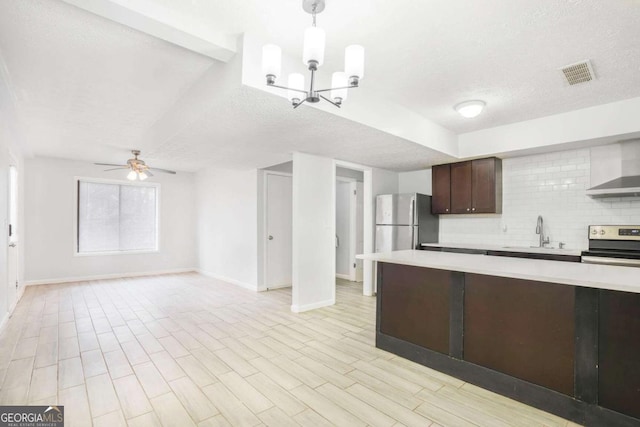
611, 261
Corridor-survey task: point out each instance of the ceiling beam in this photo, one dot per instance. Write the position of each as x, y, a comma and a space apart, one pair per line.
597, 125
381, 114
159, 22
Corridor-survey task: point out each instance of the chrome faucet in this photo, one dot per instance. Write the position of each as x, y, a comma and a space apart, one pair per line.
540, 231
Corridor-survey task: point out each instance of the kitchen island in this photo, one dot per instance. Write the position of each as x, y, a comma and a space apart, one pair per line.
563, 337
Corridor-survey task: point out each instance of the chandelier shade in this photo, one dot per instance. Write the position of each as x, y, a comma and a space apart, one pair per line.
271, 60
354, 61
313, 47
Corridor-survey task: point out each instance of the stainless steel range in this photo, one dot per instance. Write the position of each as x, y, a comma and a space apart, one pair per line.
613, 245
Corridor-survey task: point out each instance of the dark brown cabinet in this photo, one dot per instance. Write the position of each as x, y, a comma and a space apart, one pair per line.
569, 350
461, 187
417, 314
618, 349
441, 184
474, 186
486, 185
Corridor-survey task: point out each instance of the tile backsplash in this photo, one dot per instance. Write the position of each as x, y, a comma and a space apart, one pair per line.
552, 185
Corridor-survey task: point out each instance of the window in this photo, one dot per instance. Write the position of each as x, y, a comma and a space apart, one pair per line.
116, 217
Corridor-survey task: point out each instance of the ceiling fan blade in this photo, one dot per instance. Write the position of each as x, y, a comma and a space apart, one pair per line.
148, 172
115, 169
163, 170
109, 164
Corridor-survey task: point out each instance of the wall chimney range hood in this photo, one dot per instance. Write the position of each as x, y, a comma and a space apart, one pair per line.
615, 170
625, 186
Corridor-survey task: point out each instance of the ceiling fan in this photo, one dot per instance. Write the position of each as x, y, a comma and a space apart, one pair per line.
139, 169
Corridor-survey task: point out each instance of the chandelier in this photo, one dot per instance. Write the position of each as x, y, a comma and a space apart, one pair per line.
312, 57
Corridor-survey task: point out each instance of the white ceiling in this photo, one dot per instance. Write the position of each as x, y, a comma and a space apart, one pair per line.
88, 88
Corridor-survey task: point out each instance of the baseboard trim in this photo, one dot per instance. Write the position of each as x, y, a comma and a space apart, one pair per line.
273, 287
18, 298
344, 277
306, 307
228, 280
106, 276
9, 313
3, 323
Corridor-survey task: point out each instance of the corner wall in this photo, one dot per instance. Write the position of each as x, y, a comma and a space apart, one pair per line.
227, 224
314, 230
48, 233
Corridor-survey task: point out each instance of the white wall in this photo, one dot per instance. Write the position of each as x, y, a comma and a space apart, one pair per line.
314, 225
552, 185
48, 233
227, 210
415, 182
343, 228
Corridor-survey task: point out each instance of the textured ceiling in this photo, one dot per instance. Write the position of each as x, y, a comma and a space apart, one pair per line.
251, 128
91, 89
84, 84
429, 55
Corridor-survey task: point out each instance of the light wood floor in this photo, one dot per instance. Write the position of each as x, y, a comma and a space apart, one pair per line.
183, 350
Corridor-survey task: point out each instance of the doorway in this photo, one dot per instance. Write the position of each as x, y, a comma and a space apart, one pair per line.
278, 230
349, 225
12, 254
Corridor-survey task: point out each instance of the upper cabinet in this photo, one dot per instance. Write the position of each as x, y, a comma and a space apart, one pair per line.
441, 185
486, 183
461, 175
469, 187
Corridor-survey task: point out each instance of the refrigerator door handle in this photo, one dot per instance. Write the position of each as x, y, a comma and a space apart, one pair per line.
412, 221
412, 214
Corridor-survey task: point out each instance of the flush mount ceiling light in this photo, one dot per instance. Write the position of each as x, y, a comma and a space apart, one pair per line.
312, 57
470, 109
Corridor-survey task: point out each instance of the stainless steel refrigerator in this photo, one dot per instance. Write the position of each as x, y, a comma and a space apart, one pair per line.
404, 221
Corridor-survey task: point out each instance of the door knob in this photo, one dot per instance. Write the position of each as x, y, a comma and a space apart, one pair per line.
270, 237
467, 209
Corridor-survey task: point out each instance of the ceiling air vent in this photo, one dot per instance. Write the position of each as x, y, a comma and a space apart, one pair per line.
580, 72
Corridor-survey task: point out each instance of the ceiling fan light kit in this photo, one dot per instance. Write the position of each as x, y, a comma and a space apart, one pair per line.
138, 169
313, 57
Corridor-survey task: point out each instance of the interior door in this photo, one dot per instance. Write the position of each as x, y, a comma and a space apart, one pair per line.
279, 230
359, 228
343, 229
12, 254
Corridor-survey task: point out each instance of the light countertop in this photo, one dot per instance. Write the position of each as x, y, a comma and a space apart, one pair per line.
506, 248
568, 273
